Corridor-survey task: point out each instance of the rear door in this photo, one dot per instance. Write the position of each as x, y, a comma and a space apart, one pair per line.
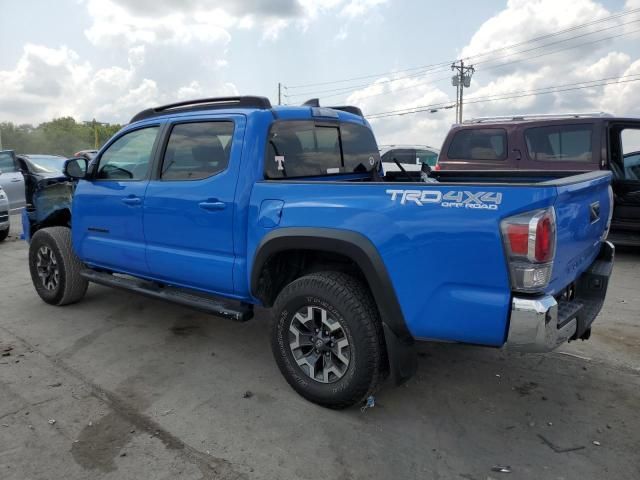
624, 162
107, 210
11, 180
189, 204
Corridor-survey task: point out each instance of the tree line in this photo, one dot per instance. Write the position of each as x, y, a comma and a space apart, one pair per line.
61, 136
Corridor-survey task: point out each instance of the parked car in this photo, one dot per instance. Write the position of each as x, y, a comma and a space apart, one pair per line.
11, 180
223, 204
411, 157
570, 142
4, 216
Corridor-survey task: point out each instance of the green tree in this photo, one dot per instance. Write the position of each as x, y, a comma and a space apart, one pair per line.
60, 136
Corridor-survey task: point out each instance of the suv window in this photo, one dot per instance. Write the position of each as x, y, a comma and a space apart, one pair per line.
427, 156
630, 143
304, 149
479, 144
197, 150
128, 157
406, 156
560, 142
6, 163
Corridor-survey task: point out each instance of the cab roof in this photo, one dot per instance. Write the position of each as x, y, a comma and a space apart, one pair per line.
248, 104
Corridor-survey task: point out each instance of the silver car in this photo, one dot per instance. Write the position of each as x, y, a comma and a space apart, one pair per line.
4, 215
11, 180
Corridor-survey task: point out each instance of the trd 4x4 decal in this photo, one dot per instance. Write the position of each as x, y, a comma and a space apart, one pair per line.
450, 199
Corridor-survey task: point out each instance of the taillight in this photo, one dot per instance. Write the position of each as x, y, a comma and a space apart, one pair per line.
530, 243
436, 167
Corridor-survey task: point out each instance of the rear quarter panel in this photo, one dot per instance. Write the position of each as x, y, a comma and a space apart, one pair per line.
446, 264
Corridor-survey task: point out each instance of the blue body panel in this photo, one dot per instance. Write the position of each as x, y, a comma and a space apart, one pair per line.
447, 265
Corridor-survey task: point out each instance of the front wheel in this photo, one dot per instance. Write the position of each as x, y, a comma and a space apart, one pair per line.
4, 234
55, 269
327, 339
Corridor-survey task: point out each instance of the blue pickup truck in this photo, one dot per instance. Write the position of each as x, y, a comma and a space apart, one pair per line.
226, 203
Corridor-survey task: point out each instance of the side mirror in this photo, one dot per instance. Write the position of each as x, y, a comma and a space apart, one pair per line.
75, 168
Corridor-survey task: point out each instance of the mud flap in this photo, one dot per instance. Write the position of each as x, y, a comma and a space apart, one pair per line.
403, 361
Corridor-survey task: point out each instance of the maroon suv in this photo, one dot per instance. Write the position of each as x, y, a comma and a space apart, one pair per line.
576, 142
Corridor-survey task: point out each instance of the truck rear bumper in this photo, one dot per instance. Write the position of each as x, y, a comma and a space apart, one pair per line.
540, 324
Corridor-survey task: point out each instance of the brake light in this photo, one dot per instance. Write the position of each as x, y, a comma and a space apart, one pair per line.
544, 240
530, 242
437, 167
518, 236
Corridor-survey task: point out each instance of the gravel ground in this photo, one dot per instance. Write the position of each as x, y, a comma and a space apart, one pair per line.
123, 387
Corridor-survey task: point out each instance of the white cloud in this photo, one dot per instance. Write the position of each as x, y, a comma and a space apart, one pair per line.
130, 22
48, 83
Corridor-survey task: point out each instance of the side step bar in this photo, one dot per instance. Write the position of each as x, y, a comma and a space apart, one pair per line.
237, 311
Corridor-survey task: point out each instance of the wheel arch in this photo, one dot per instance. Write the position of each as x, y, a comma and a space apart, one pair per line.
352, 245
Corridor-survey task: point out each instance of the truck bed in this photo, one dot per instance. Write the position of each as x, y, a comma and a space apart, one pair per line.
426, 231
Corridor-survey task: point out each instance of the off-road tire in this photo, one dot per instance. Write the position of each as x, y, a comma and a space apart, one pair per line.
70, 286
4, 234
350, 303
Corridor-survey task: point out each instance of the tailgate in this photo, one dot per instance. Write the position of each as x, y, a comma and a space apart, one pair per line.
582, 207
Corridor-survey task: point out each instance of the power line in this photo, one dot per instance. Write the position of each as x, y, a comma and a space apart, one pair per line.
332, 82
445, 63
565, 40
570, 47
351, 88
554, 34
516, 94
346, 90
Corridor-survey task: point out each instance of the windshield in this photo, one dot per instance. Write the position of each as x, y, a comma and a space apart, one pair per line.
46, 163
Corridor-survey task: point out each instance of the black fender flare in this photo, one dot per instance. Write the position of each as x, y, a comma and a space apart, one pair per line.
360, 250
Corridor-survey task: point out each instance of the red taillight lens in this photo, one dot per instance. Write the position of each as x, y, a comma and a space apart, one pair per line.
437, 167
544, 240
530, 242
518, 237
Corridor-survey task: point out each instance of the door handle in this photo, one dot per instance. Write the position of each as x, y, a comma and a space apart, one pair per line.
16, 179
132, 200
212, 205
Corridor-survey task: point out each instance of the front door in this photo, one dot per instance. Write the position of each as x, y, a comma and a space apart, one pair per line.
625, 165
189, 205
11, 180
107, 209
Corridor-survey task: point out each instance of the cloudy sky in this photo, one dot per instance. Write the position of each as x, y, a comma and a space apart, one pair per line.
107, 59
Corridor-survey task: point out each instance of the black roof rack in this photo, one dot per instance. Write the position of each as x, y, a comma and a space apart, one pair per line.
315, 102
205, 104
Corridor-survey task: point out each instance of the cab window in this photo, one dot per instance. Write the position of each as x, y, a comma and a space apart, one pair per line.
129, 156
197, 150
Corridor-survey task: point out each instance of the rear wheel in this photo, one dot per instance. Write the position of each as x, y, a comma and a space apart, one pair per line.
55, 269
327, 339
4, 234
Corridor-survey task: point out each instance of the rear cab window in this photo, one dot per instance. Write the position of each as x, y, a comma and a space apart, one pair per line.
301, 148
488, 144
571, 143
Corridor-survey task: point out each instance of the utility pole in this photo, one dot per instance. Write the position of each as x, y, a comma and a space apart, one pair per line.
279, 93
461, 80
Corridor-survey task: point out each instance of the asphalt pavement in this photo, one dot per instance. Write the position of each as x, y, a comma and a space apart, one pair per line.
120, 386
